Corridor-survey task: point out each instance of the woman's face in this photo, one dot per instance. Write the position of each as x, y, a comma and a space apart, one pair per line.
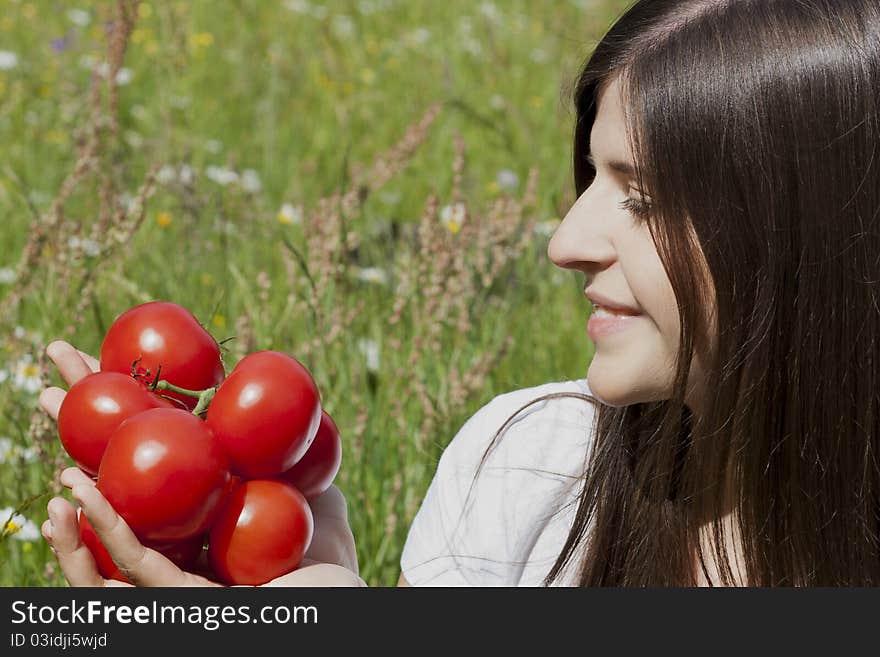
614, 249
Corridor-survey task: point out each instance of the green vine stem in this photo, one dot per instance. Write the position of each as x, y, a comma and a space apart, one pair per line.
204, 396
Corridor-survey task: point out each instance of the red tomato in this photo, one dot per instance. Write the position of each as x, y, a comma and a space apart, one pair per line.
265, 414
315, 471
262, 532
184, 554
103, 560
165, 474
93, 408
166, 334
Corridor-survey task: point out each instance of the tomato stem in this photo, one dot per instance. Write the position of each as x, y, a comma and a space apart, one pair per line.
165, 385
204, 396
204, 401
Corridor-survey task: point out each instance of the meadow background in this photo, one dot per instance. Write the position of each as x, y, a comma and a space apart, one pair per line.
368, 185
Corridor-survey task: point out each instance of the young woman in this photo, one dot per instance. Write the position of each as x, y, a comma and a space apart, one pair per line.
728, 429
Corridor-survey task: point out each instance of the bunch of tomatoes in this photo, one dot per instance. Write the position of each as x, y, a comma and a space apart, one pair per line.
191, 457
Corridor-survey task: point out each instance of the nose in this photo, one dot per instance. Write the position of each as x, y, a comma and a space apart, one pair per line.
583, 239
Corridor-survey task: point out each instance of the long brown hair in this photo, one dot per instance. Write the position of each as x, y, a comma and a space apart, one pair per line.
754, 126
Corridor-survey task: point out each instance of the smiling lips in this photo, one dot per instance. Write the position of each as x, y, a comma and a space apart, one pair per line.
603, 323
606, 303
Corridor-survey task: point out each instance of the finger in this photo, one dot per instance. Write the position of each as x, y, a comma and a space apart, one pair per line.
332, 539
50, 401
92, 362
70, 364
74, 557
73, 476
141, 565
330, 503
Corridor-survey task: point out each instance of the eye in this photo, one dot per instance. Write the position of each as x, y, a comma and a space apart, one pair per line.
637, 207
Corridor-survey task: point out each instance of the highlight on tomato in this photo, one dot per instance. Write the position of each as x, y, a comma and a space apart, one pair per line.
92, 410
262, 532
161, 334
165, 474
265, 414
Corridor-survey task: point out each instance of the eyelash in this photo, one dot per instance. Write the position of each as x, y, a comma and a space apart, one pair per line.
636, 207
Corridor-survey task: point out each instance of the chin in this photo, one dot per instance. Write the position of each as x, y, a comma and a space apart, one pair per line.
610, 390
614, 388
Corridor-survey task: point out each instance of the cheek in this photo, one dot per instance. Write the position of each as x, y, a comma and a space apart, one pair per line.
652, 288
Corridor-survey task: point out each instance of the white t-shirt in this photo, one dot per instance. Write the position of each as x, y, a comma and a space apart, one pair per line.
523, 502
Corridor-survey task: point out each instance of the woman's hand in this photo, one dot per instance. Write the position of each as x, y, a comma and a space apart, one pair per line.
331, 559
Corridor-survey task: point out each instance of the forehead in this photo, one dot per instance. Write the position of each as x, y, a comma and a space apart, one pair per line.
608, 137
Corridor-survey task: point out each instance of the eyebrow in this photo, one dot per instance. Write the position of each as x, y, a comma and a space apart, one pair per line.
621, 167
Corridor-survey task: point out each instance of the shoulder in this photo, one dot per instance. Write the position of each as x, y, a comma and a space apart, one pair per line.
482, 518
538, 426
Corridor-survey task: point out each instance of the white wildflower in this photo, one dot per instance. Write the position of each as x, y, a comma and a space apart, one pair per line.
453, 217
79, 17
4, 375
507, 179
17, 526
343, 26
221, 175
546, 228
497, 102
88, 62
19, 332
213, 146
8, 60
26, 375
123, 76
250, 181
373, 275
490, 11
370, 350
139, 112
226, 227
539, 55
290, 214
10, 451
418, 37
38, 196
128, 201
7, 275
186, 175
90, 247
298, 6
473, 46
134, 139
166, 175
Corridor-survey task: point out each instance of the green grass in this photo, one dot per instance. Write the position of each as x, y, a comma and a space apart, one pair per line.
299, 98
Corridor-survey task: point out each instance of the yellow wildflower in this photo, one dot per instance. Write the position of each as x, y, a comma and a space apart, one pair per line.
163, 219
